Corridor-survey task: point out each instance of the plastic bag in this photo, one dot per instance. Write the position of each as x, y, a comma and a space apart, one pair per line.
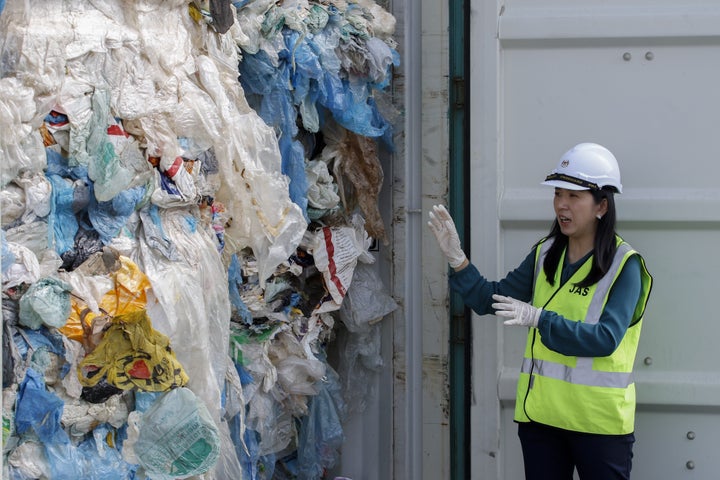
293, 155
367, 300
47, 302
189, 296
118, 164
322, 192
12, 203
8, 257
250, 17
177, 437
359, 175
33, 236
321, 434
274, 423
21, 146
87, 243
62, 221
360, 364
25, 269
108, 218
336, 251
38, 410
28, 461
382, 22
240, 311
228, 463
81, 417
123, 290
132, 354
153, 234
103, 460
37, 195
254, 191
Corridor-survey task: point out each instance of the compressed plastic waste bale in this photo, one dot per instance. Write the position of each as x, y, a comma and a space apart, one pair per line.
289, 85
114, 90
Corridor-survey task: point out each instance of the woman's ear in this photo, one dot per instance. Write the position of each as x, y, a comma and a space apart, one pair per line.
602, 208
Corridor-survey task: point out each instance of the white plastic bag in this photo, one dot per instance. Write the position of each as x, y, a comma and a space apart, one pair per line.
21, 147
191, 303
367, 300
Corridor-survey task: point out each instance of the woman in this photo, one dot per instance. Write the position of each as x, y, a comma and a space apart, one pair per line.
582, 292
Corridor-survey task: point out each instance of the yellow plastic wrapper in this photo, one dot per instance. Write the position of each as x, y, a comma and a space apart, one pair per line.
133, 354
127, 296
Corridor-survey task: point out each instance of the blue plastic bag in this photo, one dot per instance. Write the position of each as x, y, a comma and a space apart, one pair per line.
62, 224
108, 218
39, 410
321, 433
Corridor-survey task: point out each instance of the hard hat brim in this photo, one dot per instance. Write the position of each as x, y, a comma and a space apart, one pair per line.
565, 185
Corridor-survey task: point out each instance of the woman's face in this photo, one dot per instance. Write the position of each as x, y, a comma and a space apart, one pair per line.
576, 213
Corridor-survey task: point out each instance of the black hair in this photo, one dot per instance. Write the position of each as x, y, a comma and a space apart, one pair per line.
604, 246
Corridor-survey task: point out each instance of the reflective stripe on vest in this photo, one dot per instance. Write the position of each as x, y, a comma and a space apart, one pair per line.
583, 373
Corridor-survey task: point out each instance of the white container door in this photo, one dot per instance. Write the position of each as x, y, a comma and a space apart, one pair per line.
641, 77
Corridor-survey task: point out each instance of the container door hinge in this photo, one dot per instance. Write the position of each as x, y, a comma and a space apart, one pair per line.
459, 92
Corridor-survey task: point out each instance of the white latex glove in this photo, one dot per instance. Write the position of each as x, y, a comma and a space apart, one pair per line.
516, 312
442, 225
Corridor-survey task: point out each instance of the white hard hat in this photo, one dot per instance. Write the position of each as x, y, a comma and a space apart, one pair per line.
586, 166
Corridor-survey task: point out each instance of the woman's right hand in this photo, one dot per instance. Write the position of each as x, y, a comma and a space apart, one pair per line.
442, 225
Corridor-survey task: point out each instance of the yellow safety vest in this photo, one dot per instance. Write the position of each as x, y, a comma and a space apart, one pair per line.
582, 394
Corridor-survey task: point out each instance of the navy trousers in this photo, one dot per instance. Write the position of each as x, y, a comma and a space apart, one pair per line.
553, 454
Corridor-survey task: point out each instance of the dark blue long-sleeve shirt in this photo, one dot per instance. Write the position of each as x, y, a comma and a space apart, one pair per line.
565, 336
